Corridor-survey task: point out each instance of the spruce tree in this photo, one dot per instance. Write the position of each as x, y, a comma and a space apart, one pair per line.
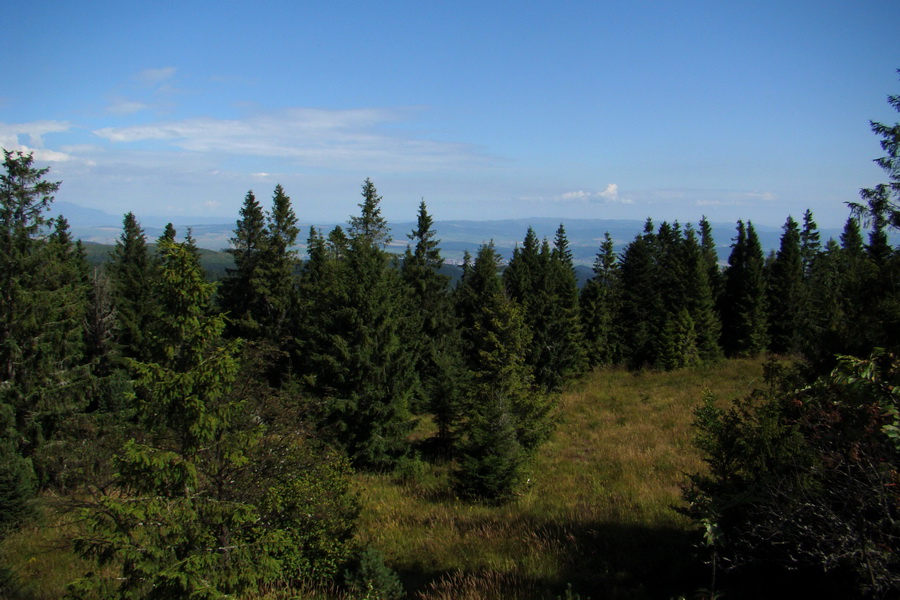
132, 277
279, 268
711, 259
496, 341
678, 342
24, 198
43, 299
642, 308
360, 364
786, 289
881, 203
599, 307
542, 281
434, 340
242, 290
370, 224
744, 314
570, 358
699, 298
206, 504
810, 243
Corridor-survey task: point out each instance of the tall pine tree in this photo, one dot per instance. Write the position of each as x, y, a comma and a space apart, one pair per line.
599, 307
359, 363
434, 340
787, 288
743, 309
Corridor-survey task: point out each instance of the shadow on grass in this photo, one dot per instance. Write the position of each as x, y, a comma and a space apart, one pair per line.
599, 560
625, 562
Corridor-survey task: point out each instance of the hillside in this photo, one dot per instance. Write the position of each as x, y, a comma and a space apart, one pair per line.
456, 237
598, 512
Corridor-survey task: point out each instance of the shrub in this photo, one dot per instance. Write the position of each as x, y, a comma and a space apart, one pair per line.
807, 476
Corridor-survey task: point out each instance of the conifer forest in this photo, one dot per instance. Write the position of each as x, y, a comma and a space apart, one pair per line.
175, 437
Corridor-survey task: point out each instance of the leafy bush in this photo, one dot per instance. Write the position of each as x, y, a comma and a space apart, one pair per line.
807, 476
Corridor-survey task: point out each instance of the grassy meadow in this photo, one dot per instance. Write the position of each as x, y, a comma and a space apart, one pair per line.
596, 516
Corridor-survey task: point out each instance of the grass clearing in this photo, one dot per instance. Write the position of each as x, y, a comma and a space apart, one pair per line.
598, 511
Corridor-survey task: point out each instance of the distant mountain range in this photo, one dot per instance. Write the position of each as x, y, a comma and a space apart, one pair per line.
456, 237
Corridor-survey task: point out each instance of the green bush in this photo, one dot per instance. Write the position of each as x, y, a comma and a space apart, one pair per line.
370, 577
806, 476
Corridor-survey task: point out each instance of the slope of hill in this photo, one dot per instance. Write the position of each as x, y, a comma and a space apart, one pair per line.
598, 511
456, 237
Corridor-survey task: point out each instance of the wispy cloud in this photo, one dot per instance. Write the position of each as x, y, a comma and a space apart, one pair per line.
124, 106
311, 137
734, 198
152, 77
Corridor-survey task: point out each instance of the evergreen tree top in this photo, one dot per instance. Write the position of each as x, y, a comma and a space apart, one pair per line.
282, 222
561, 250
370, 225
426, 251
24, 194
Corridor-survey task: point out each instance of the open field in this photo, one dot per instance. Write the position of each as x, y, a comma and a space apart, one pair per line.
598, 512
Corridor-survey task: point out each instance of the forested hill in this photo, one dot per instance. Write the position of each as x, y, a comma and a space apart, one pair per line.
457, 236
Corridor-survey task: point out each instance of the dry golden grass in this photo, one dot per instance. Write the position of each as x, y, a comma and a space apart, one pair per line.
40, 554
598, 510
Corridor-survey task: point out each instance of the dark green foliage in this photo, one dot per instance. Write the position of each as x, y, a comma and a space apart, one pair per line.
788, 308
810, 243
168, 233
570, 360
18, 485
656, 307
368, 577
240, 294
711, 260
744, 310
132, 277
433, 338
43, 299
260, 293
543, 283
881, 204
805, 476
699, 296
599, 303
210, 501
279, 266
496, 340
678, 342
370, 225
491, 458
641, 303
356, 358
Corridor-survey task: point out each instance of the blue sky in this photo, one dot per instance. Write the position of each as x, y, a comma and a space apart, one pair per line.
487, 110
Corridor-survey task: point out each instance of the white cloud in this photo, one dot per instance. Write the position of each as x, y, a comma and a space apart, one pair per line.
579, 195
10, 134
155, 76
609, 195
311, 137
